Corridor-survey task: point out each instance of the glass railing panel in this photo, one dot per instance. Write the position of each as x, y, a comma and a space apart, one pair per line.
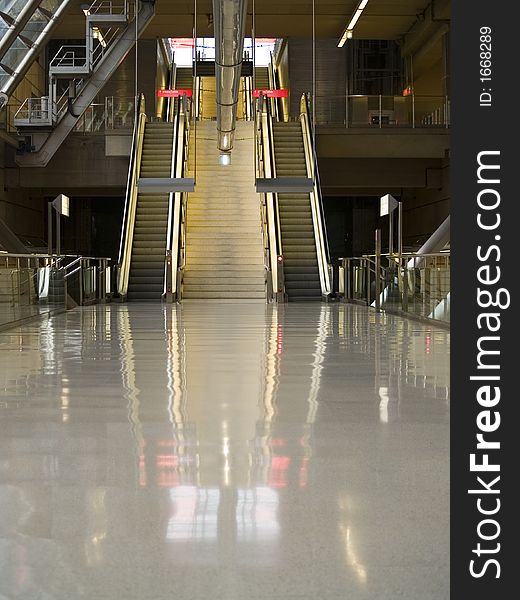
415, 284
428, 288
377, 112
29, 286
431, 111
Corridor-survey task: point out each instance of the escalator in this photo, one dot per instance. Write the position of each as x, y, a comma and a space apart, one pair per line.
183, 78
301, 271
262, 78
151, 252
146, 281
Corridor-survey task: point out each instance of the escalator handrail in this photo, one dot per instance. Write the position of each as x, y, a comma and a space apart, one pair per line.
322, 244
305, 97
265, 152
272, 159
176, 224
127, 230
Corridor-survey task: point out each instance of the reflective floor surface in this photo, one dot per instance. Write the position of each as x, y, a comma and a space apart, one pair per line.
224, 451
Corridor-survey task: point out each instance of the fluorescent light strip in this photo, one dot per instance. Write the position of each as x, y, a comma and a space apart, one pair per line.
347, 33
354, 19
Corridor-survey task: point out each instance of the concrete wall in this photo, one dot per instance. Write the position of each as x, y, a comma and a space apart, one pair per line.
80, 167
430, 83
331, 69
122, 82
22, 210
282, 66
426, 208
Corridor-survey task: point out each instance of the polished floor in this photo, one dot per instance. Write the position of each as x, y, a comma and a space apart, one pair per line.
224, 451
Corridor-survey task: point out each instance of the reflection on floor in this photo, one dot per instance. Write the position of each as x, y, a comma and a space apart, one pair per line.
225, 451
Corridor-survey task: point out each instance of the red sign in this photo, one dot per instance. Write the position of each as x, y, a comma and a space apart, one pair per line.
271, 93
182, 42
173, 93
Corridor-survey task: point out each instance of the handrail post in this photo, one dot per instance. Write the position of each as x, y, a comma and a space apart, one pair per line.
377, 270
367, 273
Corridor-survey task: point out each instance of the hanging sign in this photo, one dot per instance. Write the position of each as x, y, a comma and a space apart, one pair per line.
271, 93
173, 93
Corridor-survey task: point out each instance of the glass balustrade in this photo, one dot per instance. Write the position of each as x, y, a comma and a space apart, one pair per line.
416, 284
376, 112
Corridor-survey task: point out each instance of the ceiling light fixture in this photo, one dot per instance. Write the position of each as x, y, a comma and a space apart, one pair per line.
347, 33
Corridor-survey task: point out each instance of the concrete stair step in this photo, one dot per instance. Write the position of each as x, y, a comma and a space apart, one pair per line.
197, 255
220, 295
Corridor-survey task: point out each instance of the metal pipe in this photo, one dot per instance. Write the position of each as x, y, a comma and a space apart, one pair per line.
229, 18
33, 52
435, 243
17, 26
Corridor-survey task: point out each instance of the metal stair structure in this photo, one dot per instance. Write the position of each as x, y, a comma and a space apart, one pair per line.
301, 270
110, 34
224, 248
146, 280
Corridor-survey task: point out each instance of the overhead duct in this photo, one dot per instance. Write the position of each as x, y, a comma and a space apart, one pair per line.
229, 18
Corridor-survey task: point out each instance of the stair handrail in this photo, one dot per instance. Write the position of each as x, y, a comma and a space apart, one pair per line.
318, 213
266, 167
127, 231
174, 258
271, 77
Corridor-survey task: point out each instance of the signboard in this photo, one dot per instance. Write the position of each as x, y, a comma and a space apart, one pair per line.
271, 93
388, 204
173, 93
61, 204
182, 43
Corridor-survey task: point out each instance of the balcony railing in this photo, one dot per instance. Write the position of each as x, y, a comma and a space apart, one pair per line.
39, 284
114, 113
415, 284
378, 112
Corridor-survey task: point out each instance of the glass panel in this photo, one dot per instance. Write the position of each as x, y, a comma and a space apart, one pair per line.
31, 32
12, 7
383, 111
28, 288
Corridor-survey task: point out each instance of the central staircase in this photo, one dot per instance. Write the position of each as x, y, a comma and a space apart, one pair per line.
224, 247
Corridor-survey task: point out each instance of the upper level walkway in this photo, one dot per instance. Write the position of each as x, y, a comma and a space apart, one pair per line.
226, 451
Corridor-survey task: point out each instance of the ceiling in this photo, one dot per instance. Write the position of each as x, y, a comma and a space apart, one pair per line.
381, 19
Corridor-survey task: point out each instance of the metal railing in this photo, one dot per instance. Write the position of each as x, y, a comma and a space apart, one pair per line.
115, 113
127, 231
36, 284
378, 112
108, 7
416, 284
88, 279
76, 60
70, 56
